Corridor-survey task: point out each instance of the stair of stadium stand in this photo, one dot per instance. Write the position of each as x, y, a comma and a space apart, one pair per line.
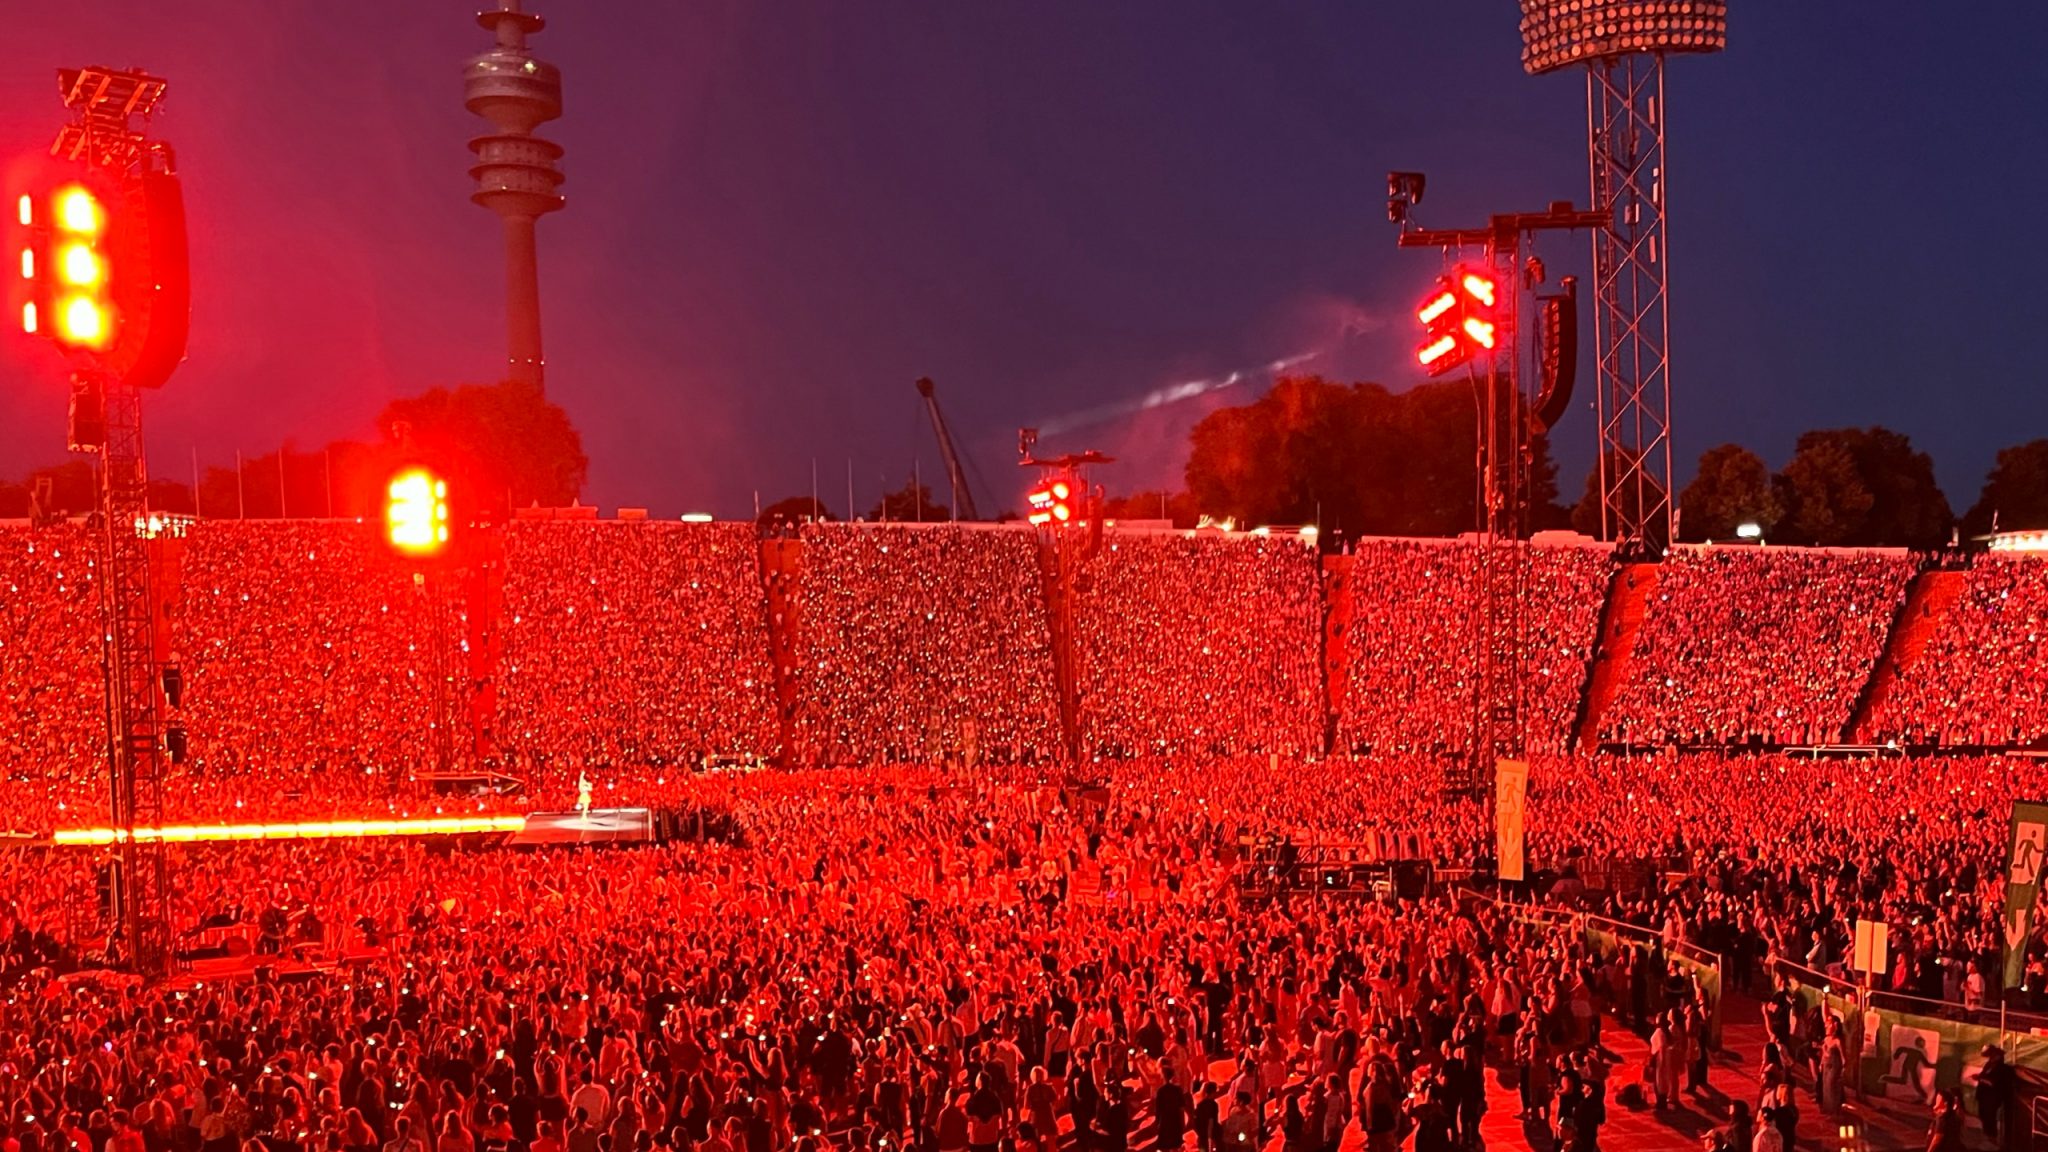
784, 558
1621, 621
1929, 600
1337, 571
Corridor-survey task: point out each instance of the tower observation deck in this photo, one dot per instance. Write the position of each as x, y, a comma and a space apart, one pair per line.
515, 170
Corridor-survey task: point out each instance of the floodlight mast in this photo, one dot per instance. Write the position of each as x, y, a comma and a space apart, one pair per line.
1623, 45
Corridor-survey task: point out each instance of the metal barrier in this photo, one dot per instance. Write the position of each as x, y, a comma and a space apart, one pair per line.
1705, 964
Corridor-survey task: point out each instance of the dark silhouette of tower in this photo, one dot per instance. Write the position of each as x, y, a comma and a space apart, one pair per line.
515, 170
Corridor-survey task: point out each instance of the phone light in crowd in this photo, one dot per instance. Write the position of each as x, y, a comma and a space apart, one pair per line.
416, 512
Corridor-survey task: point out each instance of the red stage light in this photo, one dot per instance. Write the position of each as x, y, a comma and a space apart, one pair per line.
1437, 349
416, 512
68, 281
82, 322
1481, 332
1480, 288
1439, 304
79, 211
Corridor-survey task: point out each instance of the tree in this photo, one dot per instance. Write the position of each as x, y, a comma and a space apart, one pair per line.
1825, 499
1178, 507
506, 442
172, 497
2015, 494
1731, 488
911, 502
795, 510
1864, 488
1908, 508
1355, 459
1586, 513
74, 488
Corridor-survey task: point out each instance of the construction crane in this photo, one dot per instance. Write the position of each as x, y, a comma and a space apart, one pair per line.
963, 498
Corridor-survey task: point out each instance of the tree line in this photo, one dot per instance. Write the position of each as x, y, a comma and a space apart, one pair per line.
1355, 459
506, 445
1359, 460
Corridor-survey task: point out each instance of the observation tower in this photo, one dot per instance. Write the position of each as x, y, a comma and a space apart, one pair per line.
1623, 44
515, 170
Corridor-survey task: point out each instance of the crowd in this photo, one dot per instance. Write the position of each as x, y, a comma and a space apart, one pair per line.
923, 642
1199, 644
283, 630
51, 686
882, 946
1757, 646
940, 952
632, 644
1411, 655
899, 960
1982, 679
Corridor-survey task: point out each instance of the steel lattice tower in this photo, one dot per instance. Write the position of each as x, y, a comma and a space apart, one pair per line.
1623, 44
104, 136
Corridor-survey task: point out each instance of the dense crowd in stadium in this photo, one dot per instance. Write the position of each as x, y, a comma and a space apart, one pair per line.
931, 934
1195, 646
1743, 645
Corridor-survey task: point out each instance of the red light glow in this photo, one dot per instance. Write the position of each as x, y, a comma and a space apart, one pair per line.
1437, 306
78, 211
1481, 289
309, 830
416, 512
1480, 331
82, 322
1437, 349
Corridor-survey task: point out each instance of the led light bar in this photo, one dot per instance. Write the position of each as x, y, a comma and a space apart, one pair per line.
308, 830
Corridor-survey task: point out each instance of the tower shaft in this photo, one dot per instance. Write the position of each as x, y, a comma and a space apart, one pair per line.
515, 170
522, 303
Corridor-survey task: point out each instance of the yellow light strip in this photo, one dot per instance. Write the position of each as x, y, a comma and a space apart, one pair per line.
310, 830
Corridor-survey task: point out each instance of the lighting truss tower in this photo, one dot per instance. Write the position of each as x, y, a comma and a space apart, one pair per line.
1623, 45
104, 136
515, 170
1501, 591
1068, 516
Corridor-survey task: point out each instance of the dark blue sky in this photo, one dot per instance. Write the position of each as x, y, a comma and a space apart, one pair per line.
780, 214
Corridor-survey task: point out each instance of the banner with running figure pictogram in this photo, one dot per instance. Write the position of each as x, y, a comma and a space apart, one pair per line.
2023, 882
1510, 801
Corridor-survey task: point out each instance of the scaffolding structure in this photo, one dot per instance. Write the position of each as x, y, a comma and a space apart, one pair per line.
104, 136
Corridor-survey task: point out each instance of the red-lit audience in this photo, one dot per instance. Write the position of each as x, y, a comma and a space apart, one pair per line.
52, 690
1411, 656
923, 643
1982, 678
894, 962
633, 644
1757, 645
304, 645
1197, 644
